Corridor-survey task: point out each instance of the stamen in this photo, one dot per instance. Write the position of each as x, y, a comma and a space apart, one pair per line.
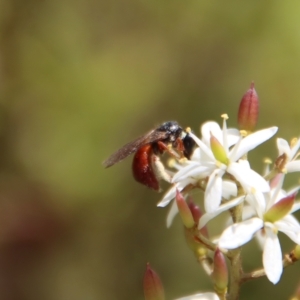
171, 163
293, 142
225, 141
267, 161
188, 130
225, 116
244, 133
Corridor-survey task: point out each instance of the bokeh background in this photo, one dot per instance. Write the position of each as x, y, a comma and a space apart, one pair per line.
78, 79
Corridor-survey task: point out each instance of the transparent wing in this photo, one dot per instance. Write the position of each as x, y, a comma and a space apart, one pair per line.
126, 150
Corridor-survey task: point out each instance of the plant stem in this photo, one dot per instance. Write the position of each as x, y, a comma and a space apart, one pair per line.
235, 274
235, 259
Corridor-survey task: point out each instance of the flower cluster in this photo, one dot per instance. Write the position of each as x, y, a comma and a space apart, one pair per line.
258, 204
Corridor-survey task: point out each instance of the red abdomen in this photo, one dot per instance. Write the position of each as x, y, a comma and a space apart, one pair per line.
142, 167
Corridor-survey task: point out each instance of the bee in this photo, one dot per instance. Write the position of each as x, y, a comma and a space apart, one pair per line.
146, 166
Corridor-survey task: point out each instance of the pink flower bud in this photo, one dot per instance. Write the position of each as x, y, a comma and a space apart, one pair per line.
184, 211
280, 208
195, 210
220, 272
153, 288
248, 110
197, 213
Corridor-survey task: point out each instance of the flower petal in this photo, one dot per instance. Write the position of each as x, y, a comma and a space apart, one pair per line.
168, 197
196, 155
229, 189
213, 128
172, 213
295, 148
276, 192
239, 234
272, 256
183, 171
195, 170
290, 226
293, 166
248, 178
260, 238
257, 202
204, 296
213, 191
208, 216
233, 135
295, 207
283, 147
170, 194
295, 189
251, 141
204, 148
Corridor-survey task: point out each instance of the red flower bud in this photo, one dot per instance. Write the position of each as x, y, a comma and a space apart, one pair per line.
195, 210
197, 214
184, 211
220, 272
248, 110
153, 288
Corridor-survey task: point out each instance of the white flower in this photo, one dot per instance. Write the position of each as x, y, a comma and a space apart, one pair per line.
170, 194
229, 189
214, 158
204, 296
273, 217
291, 164
223, 207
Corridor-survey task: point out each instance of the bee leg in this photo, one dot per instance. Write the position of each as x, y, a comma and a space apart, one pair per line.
168, 148
159, 169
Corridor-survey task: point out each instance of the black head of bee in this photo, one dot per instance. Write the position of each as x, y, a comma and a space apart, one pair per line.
172, 129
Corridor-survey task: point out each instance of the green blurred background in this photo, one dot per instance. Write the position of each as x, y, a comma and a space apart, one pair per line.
78, 79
